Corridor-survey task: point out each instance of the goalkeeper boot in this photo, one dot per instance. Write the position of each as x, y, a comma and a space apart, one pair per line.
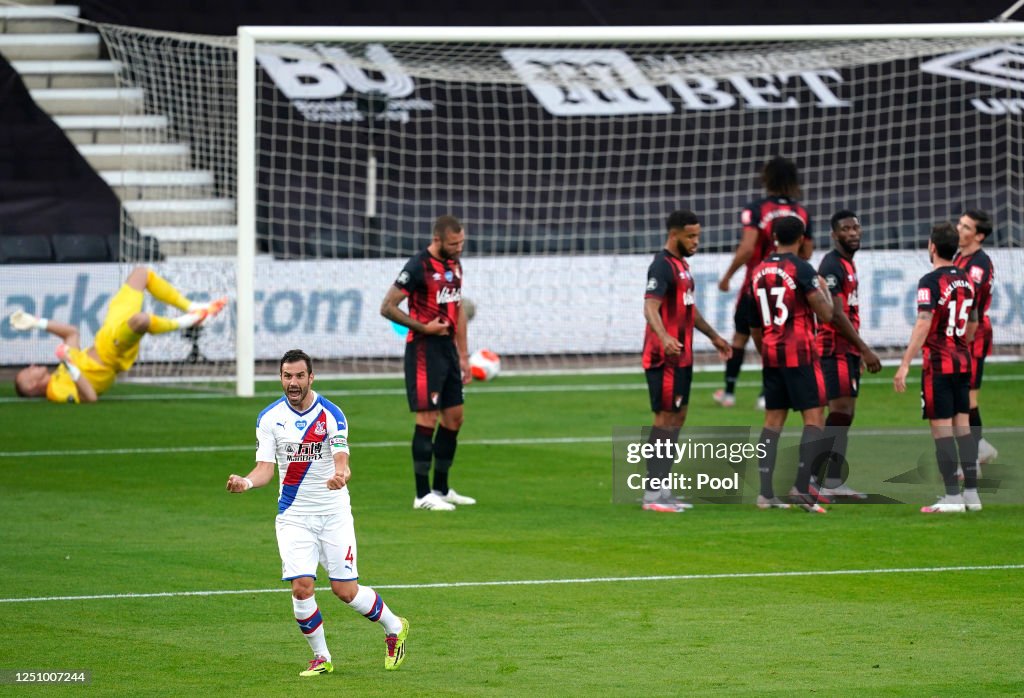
394, 645
318, 665
211, 309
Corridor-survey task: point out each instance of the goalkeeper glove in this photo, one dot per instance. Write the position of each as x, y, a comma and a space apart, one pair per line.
20, 320
62, 354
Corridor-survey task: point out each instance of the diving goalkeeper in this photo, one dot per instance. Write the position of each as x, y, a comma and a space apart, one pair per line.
84, 374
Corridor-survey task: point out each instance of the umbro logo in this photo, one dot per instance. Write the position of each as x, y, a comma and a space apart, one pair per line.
998, 66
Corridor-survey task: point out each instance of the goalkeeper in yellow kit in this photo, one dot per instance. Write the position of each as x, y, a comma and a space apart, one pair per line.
85, 374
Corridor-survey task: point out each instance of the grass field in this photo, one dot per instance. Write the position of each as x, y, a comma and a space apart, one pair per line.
126, 497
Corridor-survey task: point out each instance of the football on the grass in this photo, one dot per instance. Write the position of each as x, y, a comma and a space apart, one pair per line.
484, 364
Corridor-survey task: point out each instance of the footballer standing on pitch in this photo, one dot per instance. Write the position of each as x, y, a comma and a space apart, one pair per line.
842, 349
788, 294
945, 327
436, 358
671, 312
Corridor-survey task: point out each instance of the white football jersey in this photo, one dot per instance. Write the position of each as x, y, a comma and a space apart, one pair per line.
303, 445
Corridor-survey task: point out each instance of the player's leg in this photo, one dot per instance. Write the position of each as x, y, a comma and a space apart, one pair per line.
669, 391
806, 387
144, 278
842, 384
938, 407
339, 556
424, 404
986, 451
776, 409
446, 438
297, 545
741, 321
966, 445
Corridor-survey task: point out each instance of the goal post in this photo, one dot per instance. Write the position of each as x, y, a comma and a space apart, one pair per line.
564, 148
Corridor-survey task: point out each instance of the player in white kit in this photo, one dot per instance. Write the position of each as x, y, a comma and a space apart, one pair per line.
306, 438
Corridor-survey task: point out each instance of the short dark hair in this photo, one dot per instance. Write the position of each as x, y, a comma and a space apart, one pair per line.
788, 229
293, 355
946, 240
840, 215
781, 177
982, 221
681, 219
445, 223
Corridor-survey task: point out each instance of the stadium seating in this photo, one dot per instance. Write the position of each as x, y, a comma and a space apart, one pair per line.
80, 248
25, 249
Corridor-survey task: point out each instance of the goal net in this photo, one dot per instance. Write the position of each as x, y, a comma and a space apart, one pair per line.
562, 150
564, 154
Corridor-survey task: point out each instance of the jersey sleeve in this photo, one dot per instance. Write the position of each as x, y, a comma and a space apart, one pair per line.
807, 278
266, 444
750, 215
337, 428
61, 387
411, 277
808, 225
832, 272
927, 293
659, 279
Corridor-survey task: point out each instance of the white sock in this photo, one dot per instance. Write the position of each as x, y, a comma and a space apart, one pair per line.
307, 614
189, 319
195, 305
371, 605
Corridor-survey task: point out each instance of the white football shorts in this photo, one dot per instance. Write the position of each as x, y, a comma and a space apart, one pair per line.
307, 539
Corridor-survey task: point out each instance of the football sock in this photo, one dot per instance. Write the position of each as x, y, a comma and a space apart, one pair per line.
837, 432
976, 424
370, 604
945, 454
162, 290
422, 450
659, 466
159, 324
812, 446
732, 370
769, 439
445, 442
311, 623
968, 450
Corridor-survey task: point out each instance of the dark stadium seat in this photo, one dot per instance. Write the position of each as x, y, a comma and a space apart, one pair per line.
25, 249
74, 247
138, 248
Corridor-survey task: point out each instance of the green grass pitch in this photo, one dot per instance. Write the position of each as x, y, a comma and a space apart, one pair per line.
127, 497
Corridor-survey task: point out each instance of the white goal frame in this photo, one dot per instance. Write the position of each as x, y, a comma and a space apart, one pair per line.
249, 35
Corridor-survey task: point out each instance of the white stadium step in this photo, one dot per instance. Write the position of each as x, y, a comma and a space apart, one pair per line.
130, 156
113, 129
38, 20
16, 47
89, 100
195, 240
57, 74
168, 184
181, 212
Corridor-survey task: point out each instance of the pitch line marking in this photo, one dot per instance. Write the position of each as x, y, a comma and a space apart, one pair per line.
543, 582
535, 441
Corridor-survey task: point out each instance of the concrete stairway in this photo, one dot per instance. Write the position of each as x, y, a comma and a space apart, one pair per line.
113, 130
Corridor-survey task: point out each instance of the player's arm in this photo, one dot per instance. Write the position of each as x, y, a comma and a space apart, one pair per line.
342, 473
462, 344
652, 313
21, 320
389, 309
723, 347
820, 301
845, 328
972, 325
259, 476
744, 251
917, 338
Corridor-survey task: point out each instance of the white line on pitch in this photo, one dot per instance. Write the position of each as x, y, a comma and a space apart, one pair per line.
539, 582
475, 390
535, 441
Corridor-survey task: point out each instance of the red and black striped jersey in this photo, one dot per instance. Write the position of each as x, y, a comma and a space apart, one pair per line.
982, 274
840, 276
434, 289
949, 295
669, 280
762, 214
781, 286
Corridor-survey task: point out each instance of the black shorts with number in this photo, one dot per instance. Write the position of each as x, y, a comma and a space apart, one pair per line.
944, 395
746, 316
669, 387
433, 377
798, 388
842, 375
